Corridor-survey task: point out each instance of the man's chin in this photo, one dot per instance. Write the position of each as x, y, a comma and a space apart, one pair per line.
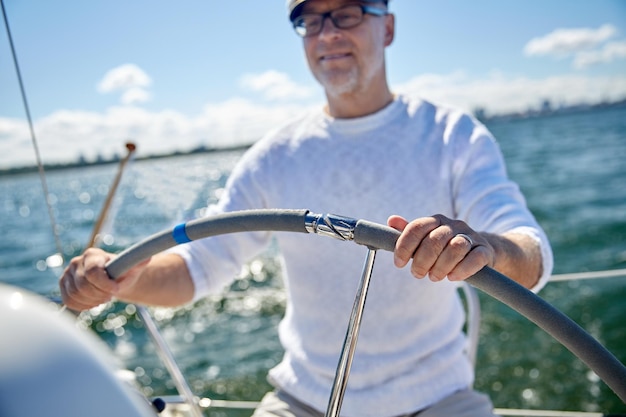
339, 86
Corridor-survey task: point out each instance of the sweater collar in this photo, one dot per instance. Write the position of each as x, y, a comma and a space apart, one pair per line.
370, 122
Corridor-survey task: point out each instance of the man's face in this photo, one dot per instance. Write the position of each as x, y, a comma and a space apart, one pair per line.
346, 61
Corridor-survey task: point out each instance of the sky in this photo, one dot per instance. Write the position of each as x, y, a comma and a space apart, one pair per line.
172, 76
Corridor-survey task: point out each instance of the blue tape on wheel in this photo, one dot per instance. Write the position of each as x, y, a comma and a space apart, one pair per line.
180, 235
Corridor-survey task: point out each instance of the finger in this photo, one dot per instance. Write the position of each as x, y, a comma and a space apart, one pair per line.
452, 255
430, 251
397, 222
475, 260
82, 285
411, 238
81, 299
93, 269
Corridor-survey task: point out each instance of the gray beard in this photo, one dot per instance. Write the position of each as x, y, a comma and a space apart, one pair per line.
341, 83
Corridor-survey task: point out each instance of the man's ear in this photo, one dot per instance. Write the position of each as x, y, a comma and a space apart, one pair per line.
390, 28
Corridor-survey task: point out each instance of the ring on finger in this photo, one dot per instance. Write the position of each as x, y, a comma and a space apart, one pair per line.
466, 237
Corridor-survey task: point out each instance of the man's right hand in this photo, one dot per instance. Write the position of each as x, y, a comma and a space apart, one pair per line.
86, 284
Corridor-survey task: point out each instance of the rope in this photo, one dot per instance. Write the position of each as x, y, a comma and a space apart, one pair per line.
105, 212
588, 275
42, 175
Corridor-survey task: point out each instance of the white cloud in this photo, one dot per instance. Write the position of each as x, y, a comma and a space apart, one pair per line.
128, 79
275, 85
66, 134
612, 51
124, 77
587, 46
563, 42
15, 144
242, 121
135, 95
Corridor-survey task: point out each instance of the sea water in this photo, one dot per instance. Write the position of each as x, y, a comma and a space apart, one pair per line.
571, 168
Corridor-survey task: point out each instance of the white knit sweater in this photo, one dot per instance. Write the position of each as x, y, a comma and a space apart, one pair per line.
411, 158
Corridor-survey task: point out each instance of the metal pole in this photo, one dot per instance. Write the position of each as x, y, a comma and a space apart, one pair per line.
168, 359
352, 335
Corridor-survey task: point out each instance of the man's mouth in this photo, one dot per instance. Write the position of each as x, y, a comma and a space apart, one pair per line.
330, 57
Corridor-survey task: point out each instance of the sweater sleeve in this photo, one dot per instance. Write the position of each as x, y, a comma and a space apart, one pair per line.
484, 195
214, 262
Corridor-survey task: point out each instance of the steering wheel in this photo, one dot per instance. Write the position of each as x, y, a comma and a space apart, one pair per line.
376, 236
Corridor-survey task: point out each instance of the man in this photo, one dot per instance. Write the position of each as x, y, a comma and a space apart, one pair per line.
367, 154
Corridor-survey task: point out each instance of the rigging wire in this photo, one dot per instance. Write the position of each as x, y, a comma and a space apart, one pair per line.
40, 167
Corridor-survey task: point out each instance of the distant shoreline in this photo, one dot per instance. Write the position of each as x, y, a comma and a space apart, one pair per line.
545, 111
81, 164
